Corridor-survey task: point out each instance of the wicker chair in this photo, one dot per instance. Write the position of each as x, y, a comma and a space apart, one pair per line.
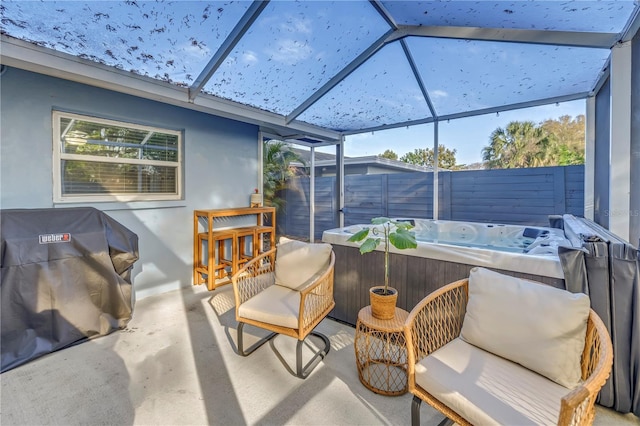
256, 282
438, 319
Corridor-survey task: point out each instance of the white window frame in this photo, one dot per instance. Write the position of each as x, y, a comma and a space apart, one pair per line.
59, 156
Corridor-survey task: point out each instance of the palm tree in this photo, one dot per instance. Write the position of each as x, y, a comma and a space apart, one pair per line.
277, 159
519, 144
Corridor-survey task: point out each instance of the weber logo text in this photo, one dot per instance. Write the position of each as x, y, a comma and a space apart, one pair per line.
55, 238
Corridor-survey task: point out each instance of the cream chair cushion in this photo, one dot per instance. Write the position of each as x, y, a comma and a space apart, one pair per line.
298, 264
538, 326
275, 305
486, 389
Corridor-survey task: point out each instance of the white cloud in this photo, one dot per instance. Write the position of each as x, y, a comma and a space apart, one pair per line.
249, 57
195, 50
438, 94
287, 24
290, 51
360, 137
302, 26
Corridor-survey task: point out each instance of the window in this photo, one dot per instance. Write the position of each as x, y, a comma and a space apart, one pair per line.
104, 160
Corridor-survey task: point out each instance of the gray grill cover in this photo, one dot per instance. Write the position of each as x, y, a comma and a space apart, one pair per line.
66, 277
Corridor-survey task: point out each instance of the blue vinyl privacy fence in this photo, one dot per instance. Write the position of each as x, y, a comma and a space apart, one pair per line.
511, 196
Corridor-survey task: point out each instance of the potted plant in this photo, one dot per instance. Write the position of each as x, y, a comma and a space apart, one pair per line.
387, 231
256, 198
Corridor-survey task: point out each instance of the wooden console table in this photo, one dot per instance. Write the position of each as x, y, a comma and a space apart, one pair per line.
220, 263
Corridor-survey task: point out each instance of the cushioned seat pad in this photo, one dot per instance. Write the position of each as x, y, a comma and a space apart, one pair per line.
275, 305
487, 389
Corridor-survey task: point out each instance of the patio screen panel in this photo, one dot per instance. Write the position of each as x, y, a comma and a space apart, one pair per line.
469, 57
587, 16
168, 41
292, 50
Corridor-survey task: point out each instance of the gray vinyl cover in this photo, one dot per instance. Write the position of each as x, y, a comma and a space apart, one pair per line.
607, 269
66, 277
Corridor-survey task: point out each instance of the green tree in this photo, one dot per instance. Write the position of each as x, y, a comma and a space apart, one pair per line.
567, 130
519, 144
389, 154
277, 167
567, 136
525, 144
424, 157
569, 157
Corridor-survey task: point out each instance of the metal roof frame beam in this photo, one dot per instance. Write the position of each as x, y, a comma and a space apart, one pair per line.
20, 54
418, 78
632, 27
510, 107
227, 46
297, 139
384, 13
520, 105
344, 73
556, 38
602, 77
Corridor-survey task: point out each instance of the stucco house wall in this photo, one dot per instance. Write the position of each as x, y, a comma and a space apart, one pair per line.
220, 166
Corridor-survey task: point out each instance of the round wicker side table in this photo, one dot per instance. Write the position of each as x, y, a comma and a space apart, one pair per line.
381, 352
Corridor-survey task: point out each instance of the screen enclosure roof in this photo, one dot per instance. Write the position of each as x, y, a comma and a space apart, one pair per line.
324, 69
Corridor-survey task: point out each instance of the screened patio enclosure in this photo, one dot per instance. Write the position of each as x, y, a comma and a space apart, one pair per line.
315, 71
222, 76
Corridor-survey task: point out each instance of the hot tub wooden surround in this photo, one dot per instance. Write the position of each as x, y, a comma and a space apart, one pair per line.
414, 278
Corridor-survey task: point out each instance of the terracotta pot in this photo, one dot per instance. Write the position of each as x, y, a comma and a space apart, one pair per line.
383, 306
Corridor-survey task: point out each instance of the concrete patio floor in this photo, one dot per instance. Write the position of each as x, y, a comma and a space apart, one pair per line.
176, 364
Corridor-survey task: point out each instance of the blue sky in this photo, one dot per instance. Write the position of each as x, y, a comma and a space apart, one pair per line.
466, 135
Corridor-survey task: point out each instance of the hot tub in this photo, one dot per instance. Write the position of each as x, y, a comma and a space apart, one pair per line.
446, 252
525, 249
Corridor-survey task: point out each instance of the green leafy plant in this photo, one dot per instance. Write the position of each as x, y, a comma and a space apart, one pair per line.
385, 231
277, 162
